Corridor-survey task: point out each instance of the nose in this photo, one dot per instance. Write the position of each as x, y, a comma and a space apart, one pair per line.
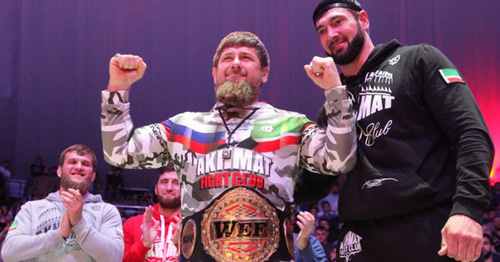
332, 32
236, 63
78, 165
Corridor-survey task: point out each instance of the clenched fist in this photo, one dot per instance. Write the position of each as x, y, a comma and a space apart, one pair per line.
323, 72
124, 70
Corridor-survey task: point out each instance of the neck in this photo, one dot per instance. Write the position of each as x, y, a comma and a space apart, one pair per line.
228, 111
353, 68
230, 105
168, 212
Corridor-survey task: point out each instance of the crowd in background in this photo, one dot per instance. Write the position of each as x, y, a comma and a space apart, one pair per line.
42, 180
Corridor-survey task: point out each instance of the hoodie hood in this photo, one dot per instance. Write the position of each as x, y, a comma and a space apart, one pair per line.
87, 198
157, 215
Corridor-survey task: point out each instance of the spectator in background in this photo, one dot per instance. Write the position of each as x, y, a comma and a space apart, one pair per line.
307, 246
333, 230
70, 224
98, 188
150, 236
495, 192
489, 252
114, 185
326, 211
333, 199
3, 197
333, 254
495, 233
488, 218
35, 170
6, 175
321, 234
44, 184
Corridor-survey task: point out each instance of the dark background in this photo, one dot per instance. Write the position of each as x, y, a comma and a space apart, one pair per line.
54, 58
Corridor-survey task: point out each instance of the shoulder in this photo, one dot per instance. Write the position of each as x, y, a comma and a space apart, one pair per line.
281, 115
133, 221
424, 50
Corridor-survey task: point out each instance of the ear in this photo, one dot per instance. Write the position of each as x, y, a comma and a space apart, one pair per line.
93, 176
214, 74
59, 171
364, 22
265, 74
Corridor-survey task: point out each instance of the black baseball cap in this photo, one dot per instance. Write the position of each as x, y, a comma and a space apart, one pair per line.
326, 5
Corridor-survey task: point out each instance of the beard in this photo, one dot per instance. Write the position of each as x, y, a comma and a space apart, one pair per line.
345, 57
236, 93
83, 186
169, 203
486, 254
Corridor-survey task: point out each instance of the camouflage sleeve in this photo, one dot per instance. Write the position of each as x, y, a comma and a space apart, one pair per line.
144, 147
331, 151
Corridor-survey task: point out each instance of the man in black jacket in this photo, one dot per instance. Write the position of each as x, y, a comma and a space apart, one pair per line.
420, 185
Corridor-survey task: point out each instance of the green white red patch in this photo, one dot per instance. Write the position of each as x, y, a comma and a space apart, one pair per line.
13, 226
451, 75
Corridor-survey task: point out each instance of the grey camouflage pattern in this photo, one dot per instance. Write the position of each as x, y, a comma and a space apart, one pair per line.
272, 173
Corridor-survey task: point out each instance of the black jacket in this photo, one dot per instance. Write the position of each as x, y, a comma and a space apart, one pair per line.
422, 142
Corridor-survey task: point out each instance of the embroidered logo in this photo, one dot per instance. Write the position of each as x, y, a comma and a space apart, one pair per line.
350, 245
267, 129
376, 182
394, 60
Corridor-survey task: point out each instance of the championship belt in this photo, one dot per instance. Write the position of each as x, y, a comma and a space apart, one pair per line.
241, 225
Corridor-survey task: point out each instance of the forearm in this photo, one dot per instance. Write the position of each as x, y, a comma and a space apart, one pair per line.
18, 246
332, 150
312, 187
302, 242
106, 244
474, 161
144, 148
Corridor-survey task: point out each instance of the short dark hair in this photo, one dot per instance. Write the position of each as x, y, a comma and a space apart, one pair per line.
242, 38
80, 150
168, 168
324, 219
489, 237
320, 228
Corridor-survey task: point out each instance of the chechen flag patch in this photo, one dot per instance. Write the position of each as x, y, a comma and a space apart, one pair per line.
13, 226
451, 75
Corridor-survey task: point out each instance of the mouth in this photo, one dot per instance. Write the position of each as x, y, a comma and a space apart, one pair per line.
235, 77
167, 194
336, 45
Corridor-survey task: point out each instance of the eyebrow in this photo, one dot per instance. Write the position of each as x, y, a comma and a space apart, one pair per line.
233, 53
330, 20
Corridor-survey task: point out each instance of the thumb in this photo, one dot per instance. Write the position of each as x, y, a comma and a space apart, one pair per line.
444, 244
114, 60
309, 71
